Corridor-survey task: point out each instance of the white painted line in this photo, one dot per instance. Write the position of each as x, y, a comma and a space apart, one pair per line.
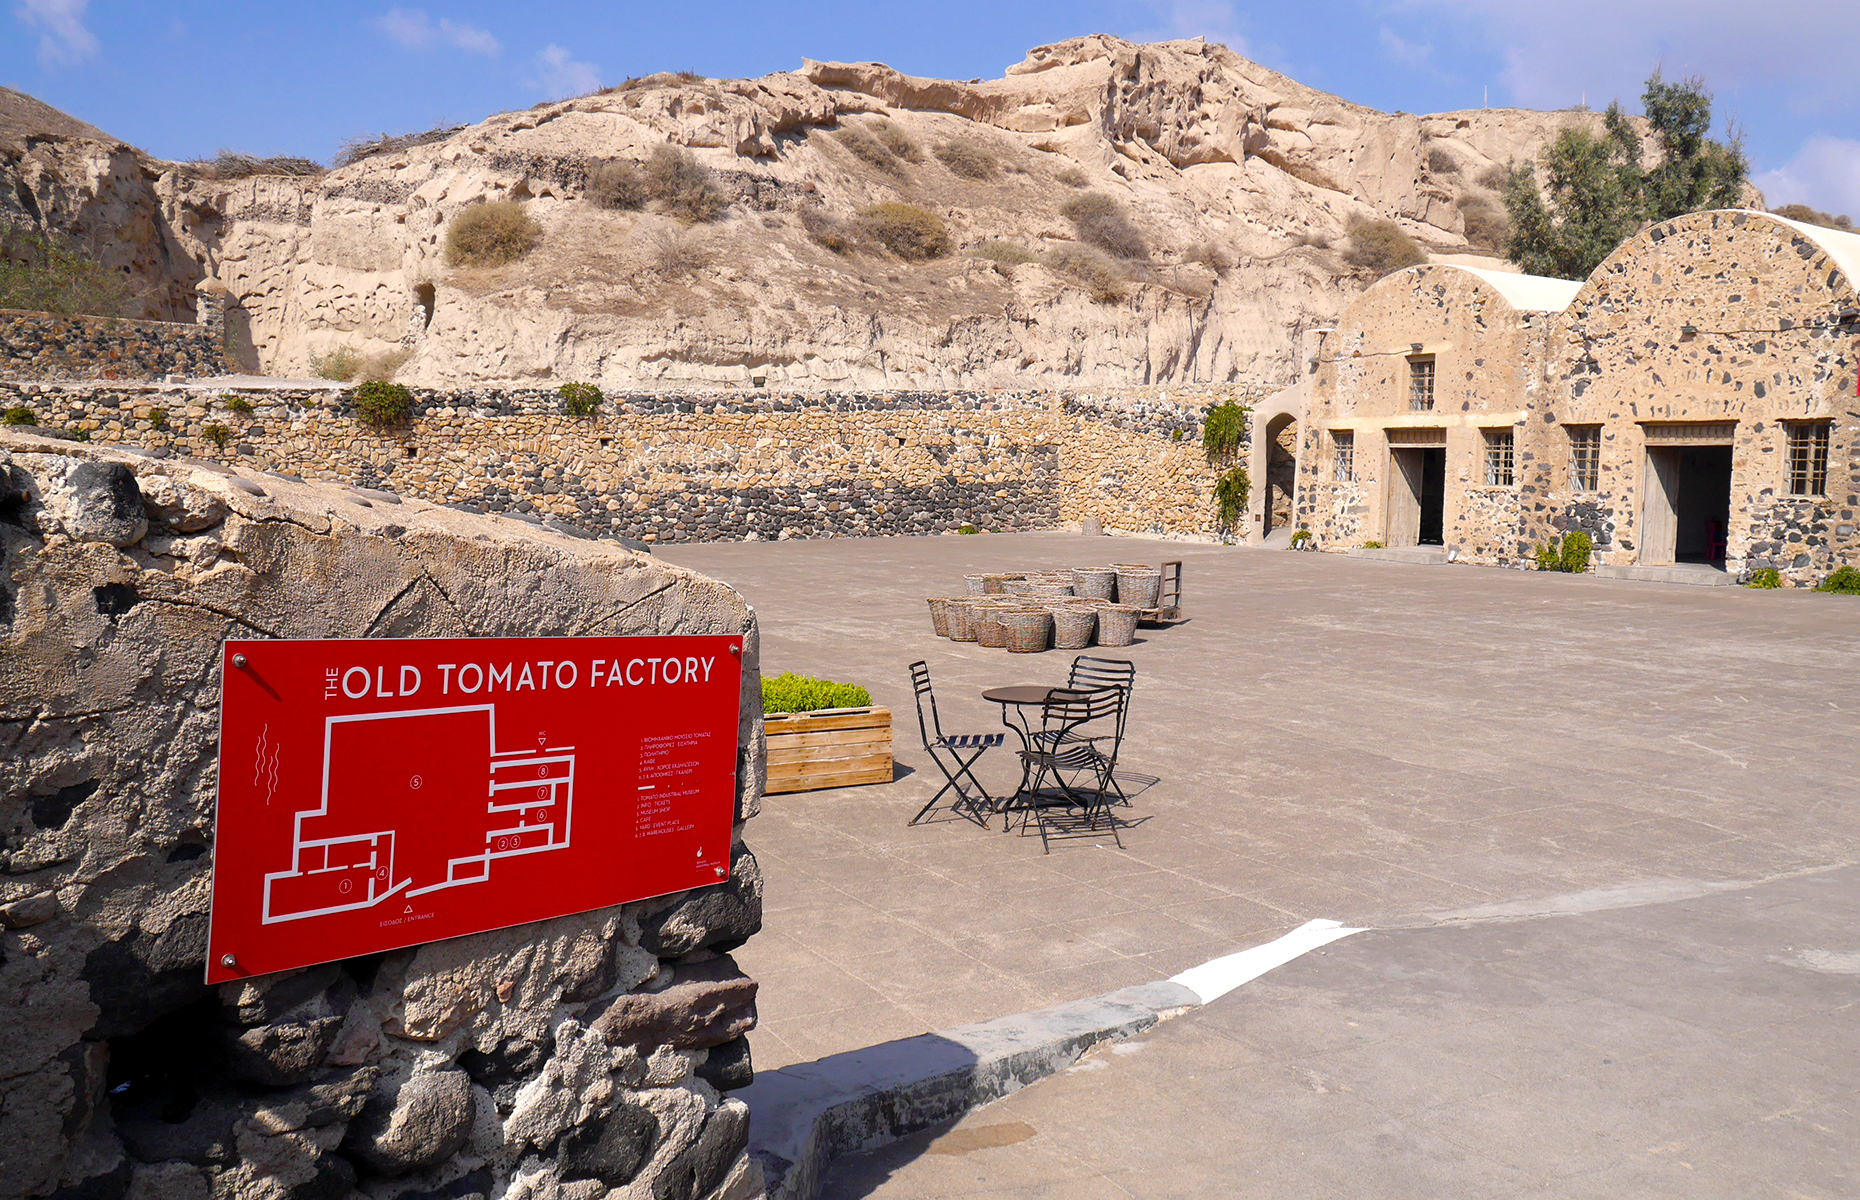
1212, 980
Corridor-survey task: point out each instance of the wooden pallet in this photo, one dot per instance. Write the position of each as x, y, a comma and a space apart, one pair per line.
835, 747
1169, 602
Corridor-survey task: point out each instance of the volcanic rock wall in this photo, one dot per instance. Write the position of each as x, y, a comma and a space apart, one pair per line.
48, 345
708, 466
559, 1059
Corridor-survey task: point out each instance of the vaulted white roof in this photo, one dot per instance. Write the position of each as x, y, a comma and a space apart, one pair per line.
1841, 246
1528, 293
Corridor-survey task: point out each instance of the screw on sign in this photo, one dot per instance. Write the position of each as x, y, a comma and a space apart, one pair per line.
544, 776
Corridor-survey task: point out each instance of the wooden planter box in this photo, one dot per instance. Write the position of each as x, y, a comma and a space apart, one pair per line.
834, 747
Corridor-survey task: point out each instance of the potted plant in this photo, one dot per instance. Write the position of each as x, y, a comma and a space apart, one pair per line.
823, 734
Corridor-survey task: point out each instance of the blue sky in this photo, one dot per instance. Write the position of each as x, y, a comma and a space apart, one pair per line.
184, 80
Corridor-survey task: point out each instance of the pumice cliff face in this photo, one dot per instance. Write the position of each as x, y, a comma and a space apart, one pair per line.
1240, 182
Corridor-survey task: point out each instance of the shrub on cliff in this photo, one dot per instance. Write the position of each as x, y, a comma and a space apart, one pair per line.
491, 235
19, 414
1380, 247
341, 363
383, 405
617, 184
1093, 269
828, 231
1099, 220
683, 186
897, 141
907, 231
969, 159
45, 275
868, 149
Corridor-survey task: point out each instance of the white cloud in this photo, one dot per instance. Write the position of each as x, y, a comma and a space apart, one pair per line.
558, 74
1555, 50
1824, 174
1402, 52
63, 39
1177, 20
412, 28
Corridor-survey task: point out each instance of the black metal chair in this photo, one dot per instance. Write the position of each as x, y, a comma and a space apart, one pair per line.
1072, 764
962, 750
1091, 671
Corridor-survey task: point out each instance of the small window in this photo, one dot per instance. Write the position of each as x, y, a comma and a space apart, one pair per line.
1343, 456
1498, 458
1808, 458
1421, 384
1585, 457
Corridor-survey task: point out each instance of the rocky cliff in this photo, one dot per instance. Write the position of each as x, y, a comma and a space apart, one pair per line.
1241, 182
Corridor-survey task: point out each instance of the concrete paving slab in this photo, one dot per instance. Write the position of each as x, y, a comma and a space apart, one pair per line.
1381, 1066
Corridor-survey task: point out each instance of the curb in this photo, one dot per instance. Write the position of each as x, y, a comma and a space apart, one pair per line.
804, 1116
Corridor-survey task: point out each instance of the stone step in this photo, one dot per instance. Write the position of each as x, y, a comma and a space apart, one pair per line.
1696, 574
1425, 556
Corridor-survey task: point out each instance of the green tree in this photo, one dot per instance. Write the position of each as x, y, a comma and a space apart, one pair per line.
1598, 193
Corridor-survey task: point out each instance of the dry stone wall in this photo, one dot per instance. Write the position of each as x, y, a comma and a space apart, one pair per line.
46, 345
707, 466
584, 1056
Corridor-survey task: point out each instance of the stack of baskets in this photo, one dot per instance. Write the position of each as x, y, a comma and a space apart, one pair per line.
1026, 612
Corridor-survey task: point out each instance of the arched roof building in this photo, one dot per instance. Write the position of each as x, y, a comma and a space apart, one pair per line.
1692, 402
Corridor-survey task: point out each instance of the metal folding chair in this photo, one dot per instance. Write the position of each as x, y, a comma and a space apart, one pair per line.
1072, 763
1091, 671
962, 750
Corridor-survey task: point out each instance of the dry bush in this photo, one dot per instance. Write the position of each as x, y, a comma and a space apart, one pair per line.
828, 231
1442, 163
342, 364
683, 186
1380, 247
676, 252
969, 159
56, 275
1814, 216
490, 235
1071, 177
868, 149
356, 149
1008, 254
1210, 256
1099, 220
1485, 222
617, 184
898, 142
380, 368
228, 164
1095, 270
1493, 178
1316, 240
911, 233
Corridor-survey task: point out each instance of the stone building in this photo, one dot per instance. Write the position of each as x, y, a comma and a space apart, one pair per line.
1691, 406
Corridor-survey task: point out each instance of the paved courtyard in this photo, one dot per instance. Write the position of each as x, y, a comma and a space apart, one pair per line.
1365, 741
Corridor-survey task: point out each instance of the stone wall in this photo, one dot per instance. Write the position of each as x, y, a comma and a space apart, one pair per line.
559, 1059
50, 346
707, 466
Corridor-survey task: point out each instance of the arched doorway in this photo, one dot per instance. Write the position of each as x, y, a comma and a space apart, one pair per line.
1281, 479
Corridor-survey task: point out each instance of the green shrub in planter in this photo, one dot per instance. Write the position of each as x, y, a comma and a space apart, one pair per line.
1370, 546
383, 405
1300, 537
789, 693
1768, 577
1577, 546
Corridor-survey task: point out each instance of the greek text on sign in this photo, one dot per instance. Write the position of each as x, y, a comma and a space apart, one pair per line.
378, 794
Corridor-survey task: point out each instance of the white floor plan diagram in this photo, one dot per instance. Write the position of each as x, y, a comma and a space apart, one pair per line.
416, 802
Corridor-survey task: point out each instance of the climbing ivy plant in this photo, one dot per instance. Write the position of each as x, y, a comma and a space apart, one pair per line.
1222, 432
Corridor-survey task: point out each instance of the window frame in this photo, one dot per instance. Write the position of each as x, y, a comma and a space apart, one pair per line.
1805, 457
1501, 457
1585, 441
1343, 456
1422, 368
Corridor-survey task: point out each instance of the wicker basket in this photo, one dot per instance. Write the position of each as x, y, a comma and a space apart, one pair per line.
1140, 588
1073, 625
1117, 625
989, 631
961, 611
939, 614
1096, 583
976, 583
1029, 630
994, 585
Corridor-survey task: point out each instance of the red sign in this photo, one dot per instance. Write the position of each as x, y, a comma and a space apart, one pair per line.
382, 793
